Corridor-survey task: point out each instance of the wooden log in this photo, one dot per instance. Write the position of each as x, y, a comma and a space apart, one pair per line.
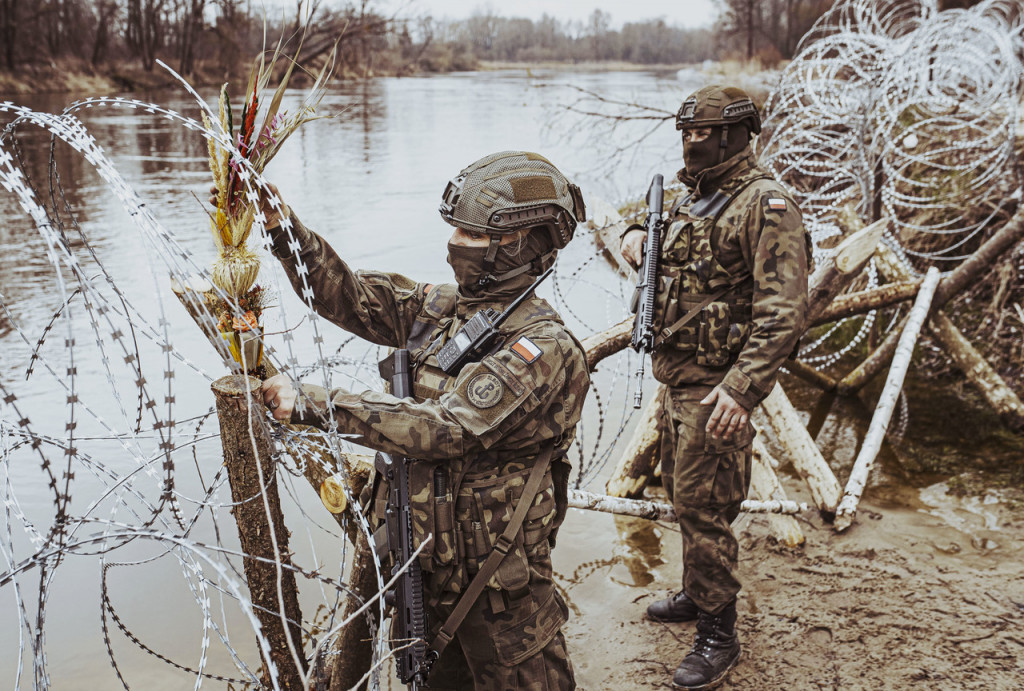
995, 390
949, 287
887, 402
660, 511
843, 266
317, 464
803, 452
261, 529
810, 375
608, 342
641, 456
867, 300
765, 486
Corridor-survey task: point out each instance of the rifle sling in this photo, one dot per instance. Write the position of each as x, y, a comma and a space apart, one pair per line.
501, 547
667, 332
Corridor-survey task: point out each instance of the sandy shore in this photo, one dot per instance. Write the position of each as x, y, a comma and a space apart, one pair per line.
911, 597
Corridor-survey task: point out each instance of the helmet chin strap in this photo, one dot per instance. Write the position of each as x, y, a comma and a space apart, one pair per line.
490, 278
723, 143
492, 254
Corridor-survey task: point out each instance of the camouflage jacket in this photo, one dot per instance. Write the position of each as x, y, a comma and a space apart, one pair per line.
757, 251
503, 408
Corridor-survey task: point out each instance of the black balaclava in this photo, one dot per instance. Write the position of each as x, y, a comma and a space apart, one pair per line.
699, 156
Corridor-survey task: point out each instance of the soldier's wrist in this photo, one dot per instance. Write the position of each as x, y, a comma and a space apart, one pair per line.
628, 230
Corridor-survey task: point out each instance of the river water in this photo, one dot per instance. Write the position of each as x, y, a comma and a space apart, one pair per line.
369, 179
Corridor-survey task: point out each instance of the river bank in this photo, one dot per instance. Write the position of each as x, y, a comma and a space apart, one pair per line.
78, 76
928, 594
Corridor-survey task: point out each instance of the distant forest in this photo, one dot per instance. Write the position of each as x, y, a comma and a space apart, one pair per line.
217, 37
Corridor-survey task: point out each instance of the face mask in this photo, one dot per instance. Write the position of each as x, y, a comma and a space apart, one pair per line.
468, 265
699, 156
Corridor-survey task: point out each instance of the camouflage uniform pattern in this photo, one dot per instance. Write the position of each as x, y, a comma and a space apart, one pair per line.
760, 249
480, 432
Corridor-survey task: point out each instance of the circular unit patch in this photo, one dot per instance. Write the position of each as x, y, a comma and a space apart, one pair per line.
485, 390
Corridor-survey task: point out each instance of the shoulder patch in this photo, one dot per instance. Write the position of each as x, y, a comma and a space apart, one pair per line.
527, 350
775, 203
484, 390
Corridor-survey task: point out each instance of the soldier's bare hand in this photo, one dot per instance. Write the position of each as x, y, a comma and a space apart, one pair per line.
279, 395
728, 417
632, 247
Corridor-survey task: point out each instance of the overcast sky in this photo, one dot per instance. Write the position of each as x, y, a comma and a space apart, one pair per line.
688, 13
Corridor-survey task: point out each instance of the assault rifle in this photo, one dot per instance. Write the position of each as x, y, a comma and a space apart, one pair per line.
642, 339
409, 620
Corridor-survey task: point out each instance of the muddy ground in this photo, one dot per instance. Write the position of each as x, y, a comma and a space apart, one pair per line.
927, 593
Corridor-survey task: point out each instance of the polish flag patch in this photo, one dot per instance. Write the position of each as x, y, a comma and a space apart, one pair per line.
526, 349
776, 203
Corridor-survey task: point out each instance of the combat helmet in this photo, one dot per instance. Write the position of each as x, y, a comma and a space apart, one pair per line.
718, 105
505, 192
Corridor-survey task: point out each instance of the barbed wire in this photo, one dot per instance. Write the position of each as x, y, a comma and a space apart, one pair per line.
893, 107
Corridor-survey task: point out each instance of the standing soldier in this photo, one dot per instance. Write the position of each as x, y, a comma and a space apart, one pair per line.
482, 436
736, 245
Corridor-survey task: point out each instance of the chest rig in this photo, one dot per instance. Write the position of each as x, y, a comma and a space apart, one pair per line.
441, 484
696, 284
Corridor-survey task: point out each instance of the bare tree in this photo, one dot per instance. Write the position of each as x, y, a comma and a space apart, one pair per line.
9, 16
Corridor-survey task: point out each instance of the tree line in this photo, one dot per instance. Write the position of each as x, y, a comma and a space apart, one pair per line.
220, 36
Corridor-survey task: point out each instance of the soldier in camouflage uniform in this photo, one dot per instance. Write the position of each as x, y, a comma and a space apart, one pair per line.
735, 256
478, 433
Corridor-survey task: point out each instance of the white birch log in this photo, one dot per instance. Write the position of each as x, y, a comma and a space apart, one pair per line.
764, 486
660, 511
640, 457
803, 452
887, 402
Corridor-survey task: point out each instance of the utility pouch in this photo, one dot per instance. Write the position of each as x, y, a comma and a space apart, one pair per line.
431, 514
713, 335
484, 509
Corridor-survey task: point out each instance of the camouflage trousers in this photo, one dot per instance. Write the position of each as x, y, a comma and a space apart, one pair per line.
706, 480
511, 640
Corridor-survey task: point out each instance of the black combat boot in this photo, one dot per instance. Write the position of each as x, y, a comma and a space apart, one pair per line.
716, 650
676, 607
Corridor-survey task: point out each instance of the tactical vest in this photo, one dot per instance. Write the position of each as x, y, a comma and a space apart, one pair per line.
464, 521
691, 274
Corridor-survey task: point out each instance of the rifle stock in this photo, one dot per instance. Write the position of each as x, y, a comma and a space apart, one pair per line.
642, 339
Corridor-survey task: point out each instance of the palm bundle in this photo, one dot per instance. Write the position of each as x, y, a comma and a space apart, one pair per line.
252, 148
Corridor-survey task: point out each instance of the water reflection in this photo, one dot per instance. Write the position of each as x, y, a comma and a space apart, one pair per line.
638, 550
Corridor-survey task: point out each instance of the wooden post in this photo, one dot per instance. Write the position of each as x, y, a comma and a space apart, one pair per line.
843, 266
261, 529
866, 300
1000, 396
641, 456
803, 452
890, 394
764, 485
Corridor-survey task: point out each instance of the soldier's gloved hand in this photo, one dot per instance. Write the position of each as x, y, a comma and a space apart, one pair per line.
728, 417
279, 395
631, 246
